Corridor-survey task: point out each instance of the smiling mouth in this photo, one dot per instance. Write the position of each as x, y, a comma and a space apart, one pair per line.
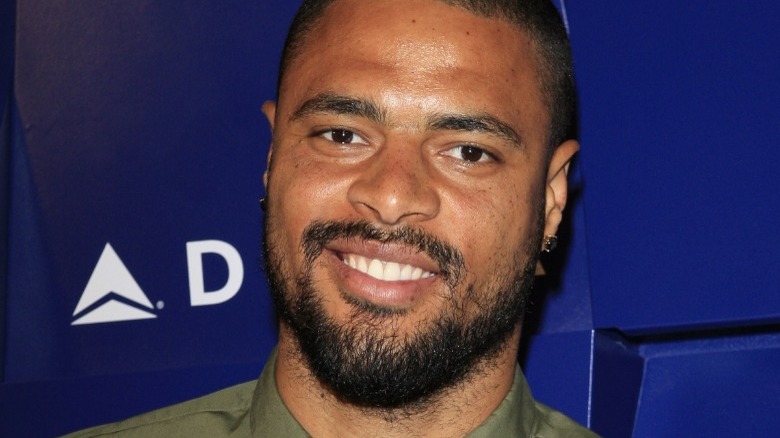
385, 270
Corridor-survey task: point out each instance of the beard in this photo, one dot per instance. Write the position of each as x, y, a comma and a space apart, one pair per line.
366, 361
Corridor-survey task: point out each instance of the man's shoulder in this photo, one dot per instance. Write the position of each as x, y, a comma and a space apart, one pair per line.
551, 423
220, 413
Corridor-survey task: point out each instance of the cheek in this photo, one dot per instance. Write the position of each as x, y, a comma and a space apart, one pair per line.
301, 192
312, 191
489, 225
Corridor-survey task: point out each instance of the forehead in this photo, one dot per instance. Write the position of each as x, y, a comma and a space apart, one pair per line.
421, 53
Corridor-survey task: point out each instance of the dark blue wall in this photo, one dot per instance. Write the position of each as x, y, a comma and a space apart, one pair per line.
138, 125
7, 22
680, 103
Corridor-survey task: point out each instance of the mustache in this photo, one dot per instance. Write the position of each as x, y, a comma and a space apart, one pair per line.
448, 258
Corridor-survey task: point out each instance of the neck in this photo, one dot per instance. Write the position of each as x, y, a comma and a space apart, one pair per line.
454, 412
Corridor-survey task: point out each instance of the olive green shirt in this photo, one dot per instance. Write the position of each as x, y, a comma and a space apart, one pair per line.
255, 409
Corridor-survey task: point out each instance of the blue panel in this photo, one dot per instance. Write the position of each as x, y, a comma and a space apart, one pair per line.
4, 187
139, 125
679, 106
617, 380
27, 263
78, 403
721, 387
7, 28
558, 370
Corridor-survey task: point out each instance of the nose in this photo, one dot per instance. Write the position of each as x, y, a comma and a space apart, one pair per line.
395, 186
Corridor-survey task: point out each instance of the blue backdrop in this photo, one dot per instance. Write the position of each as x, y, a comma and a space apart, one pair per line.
132, 148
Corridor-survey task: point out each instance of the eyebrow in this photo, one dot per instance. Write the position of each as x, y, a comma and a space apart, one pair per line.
331, 103
484, 123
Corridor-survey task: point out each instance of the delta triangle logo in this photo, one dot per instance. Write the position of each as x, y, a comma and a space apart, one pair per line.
112, 294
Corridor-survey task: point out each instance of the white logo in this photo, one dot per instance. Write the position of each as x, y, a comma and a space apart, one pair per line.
113, 295
199, 296
111, 279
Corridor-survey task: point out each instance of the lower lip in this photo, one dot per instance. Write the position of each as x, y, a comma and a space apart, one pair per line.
396, 294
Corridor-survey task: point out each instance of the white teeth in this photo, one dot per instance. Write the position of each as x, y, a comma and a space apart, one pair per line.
375, 269
406, 272
385, 271
392, 271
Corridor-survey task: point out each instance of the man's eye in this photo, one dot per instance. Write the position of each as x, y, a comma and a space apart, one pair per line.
343, 136
472, 154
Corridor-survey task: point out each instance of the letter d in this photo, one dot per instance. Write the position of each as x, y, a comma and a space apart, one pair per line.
198, 295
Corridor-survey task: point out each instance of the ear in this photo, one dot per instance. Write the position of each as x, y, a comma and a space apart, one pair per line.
556, 190
269, 109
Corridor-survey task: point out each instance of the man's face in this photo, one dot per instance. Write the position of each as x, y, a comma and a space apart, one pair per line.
405, 192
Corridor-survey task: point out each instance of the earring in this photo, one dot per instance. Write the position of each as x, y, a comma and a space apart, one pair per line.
262, 203
549, 243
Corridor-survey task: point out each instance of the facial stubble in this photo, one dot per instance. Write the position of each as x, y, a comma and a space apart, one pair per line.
366, 361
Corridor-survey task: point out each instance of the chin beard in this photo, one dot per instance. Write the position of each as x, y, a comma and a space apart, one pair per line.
364, 362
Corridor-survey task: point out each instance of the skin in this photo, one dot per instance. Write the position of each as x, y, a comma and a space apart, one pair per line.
400, 169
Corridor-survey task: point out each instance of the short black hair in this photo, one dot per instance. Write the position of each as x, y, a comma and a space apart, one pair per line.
538, 18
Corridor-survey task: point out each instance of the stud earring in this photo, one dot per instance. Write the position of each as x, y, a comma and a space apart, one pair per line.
549, 243
262, 203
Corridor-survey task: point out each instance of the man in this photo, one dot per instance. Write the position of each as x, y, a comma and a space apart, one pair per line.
419, 155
